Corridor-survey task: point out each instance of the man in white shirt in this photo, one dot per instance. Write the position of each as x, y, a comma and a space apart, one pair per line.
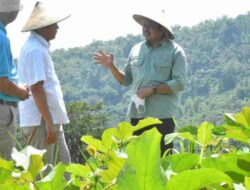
43, 114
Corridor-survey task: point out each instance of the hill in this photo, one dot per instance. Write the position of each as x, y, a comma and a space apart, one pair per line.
218, 55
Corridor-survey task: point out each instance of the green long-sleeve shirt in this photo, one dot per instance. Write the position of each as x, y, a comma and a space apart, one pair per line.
147, 66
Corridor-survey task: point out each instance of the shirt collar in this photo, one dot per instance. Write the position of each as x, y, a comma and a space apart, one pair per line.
41, 39
163, 43
2, 27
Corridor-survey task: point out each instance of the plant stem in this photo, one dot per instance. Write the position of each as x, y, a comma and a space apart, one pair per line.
14, 138
85, 158
201, 155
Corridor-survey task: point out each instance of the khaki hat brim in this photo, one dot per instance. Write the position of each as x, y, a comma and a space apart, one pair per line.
42, 16
141, 19
30, 27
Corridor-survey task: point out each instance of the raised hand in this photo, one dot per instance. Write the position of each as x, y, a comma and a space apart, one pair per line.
103, 59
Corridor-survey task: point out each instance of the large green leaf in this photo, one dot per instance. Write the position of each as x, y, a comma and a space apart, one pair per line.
219, 130
14, 187
229, 163
115, 165
143, 170
94, 142
6, 168
197, 179
244, 117
109, 138
54, 180
244, 164
124, 130
112, 136
185, 136
180, 162
237, 133
170, 137
247, 182
191, 129
79, 170
204, 135
8, 165
22, 158
36, 165
4, 174
230, 120
146, 122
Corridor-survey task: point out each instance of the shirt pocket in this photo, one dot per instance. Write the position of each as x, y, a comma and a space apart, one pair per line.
136, 66
163, 69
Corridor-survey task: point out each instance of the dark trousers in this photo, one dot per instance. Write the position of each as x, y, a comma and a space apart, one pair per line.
165, 128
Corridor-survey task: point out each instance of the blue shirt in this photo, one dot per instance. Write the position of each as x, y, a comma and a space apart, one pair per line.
7, 67
150, 67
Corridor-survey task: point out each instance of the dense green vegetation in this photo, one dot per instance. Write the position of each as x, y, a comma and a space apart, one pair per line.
120, 161
218, 54
214, 154
84, 119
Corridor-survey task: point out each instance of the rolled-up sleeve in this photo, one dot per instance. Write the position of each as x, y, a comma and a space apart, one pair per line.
179, 72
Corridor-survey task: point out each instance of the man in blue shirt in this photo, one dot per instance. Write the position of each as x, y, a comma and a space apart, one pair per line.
10, 93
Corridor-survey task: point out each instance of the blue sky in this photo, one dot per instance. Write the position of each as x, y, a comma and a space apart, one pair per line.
107, 19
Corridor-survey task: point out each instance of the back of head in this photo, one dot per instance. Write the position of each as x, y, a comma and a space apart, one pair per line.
43, 15
8, 10
7, 6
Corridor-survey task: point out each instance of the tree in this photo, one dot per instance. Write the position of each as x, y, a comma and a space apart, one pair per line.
85, 119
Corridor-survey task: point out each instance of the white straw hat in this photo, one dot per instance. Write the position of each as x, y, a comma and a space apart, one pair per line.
160, 18
9, 5
43, 15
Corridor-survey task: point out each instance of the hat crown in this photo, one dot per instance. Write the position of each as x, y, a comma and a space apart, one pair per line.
43, 15
158, 17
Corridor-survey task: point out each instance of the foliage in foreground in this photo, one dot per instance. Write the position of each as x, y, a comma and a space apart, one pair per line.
205, 160
84, 119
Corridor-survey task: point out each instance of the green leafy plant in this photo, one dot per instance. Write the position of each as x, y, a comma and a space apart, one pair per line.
120, 161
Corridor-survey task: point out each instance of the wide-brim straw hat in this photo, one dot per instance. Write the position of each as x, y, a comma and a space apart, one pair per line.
44, 15
9, 5
159, 18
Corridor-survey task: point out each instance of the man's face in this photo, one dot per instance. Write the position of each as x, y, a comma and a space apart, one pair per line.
51, 31
152, 31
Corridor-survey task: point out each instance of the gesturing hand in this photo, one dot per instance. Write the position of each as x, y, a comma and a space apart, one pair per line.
103, 59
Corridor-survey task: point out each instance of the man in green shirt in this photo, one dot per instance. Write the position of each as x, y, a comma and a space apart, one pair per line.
156, 70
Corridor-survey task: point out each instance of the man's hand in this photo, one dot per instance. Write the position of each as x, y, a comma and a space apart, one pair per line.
40, 98
25, 92
103, 59
11, 89
145, 92
51, 133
